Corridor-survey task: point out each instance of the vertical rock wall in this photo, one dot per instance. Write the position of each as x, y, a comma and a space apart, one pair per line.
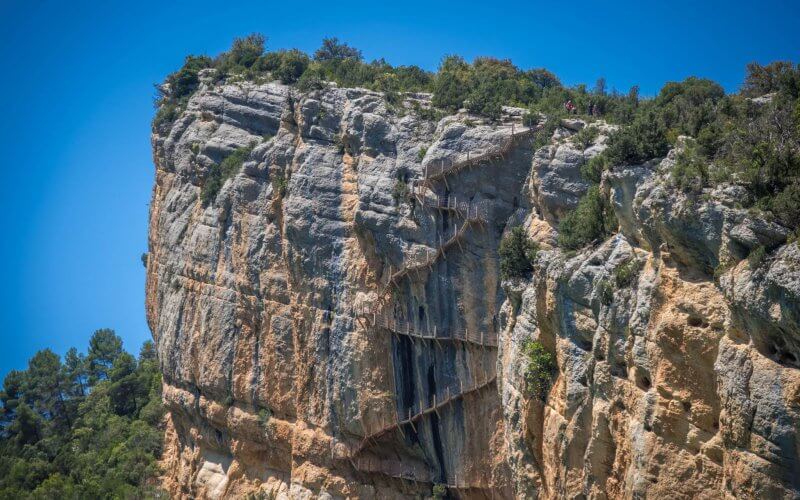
290, 314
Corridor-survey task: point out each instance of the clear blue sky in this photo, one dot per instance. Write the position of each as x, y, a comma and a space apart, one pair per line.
77, 86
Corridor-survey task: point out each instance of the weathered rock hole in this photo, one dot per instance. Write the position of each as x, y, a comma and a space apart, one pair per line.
697, 322
687, 406
787, 358
644, 383
620, 370
585, 345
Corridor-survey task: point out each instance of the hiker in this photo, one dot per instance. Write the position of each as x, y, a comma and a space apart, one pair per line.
570, 107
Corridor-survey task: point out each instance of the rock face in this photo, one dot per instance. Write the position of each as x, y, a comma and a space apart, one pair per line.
294, 314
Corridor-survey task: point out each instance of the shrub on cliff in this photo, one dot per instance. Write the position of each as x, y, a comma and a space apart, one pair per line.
592, 170
592, 219
642, 140
626, 273
690, 172
242, 55
221, 172
284, 65
185, 81
517, 254
539, 370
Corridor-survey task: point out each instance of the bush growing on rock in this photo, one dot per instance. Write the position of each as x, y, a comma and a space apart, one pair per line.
285, 65
592, 170
757, 256
626, 273
605, 292
642, 140
539, 372
223, 171
690, 172
400, 191
593, 219
517, 254
586, 136
439, 490
242, 55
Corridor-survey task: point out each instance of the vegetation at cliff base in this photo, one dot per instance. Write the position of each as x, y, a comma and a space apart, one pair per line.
82, 427
517, 254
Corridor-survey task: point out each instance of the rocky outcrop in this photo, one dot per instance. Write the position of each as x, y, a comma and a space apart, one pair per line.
333, 324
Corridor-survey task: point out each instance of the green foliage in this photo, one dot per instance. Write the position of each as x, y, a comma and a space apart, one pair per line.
310, 80
605, 291
334, 50
517, 254
488, 84
450, 87
785, 205
539, 370
264, 414
543, 136
243, 54
592, 219
223, 171
779, 76
757, 257
439, 490
642, 140
280, 184
755, 144
167, 113
185, 81
592, 170
285, 65
422, 152
400, 190
626, 273
84, 428
585, 136
690, 172
144, 259
104, 347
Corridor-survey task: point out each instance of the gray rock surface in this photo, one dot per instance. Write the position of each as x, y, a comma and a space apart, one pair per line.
681, 382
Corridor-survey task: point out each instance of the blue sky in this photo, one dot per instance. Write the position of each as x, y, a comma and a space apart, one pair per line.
76, 96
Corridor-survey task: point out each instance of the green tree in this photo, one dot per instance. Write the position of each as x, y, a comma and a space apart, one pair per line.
539, 370
592, 219
104, 347
242, 55
517, 254
75, 371
46, 387
334, 50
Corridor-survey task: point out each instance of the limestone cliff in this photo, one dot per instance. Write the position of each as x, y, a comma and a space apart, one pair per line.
333, 324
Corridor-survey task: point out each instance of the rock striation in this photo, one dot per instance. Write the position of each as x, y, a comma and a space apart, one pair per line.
333, 324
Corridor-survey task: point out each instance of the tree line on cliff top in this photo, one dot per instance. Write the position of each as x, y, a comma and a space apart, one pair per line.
740, 138
85, 426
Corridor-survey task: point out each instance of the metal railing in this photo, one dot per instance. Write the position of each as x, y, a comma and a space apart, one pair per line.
382, 319
419, 410
445, 166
